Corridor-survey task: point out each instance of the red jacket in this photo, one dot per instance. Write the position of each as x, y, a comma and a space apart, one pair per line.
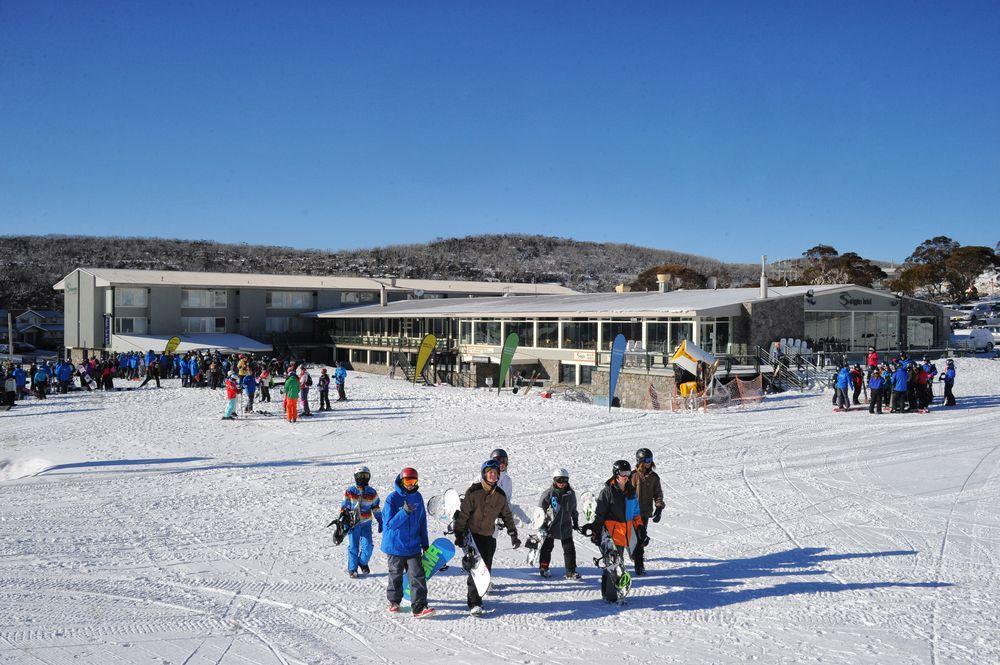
873, 359
232, 390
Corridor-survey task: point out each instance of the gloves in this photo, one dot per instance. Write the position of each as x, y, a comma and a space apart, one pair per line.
515, 542
595, 537
408, 507
380, 526
657, 514
459, 538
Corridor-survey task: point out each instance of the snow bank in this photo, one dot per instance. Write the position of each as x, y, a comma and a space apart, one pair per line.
21, 468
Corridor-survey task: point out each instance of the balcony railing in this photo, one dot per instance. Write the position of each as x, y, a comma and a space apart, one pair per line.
443, 344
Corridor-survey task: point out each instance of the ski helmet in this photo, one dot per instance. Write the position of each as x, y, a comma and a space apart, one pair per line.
362, 475
500, 455
487, 465
560, 475
644, 455
621, 468
409, 472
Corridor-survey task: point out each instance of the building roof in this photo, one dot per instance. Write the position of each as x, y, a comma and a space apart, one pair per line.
694, 302
224, 342
115, 276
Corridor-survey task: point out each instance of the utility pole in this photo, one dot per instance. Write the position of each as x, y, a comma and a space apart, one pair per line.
10, 336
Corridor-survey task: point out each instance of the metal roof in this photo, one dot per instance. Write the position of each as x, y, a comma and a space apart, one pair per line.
695, 302
116, 276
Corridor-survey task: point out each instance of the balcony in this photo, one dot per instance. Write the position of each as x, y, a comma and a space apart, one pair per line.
381, 341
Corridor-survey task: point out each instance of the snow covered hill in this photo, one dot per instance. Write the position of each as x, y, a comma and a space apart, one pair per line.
140, 528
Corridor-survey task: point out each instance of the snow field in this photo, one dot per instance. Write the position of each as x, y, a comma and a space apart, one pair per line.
140, 528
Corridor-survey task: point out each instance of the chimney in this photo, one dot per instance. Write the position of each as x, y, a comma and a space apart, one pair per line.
713, 283
392, 281
664, 281
383, 297
763, 277
622, 288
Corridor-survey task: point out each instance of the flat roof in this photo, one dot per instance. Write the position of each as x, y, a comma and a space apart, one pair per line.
694, 302
117, 276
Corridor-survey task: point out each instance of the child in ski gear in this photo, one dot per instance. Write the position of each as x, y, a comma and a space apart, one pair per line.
40, 382
265, 382
305, 383
857, 380
482, 504
339, 378
362, 500
875, 385
324, 391
899, 385
292, 395
649, 492
249, 384
559, 502
842, 386
948, 378
404, 542
232, 392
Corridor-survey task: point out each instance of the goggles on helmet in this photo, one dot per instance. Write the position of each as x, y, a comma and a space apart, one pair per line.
562, 480
409, 482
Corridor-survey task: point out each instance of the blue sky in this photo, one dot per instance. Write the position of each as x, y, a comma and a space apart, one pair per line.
730, 130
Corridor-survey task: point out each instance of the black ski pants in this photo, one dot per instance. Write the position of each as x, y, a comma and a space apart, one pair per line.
569, 552
949, 397
265, 393
151, 376
340, 393
487, 548
857, 393
875, 403
324, 400
898, 401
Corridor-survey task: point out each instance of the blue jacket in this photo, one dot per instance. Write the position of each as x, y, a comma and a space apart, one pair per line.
949, 376
20, 377
899, 380
249, 384
876, 382
41, 376
405, 533
844, 378
193, 367
339, 376
150, 357
64, 372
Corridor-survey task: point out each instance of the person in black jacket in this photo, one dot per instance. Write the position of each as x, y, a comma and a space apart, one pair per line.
559, 503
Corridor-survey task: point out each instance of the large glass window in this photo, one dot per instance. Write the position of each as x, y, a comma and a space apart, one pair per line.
466, 332
567, 373
920, 332
680, 331
356, 297
830, 331
658, 336
722, 336
487, 332
135, 325
130, 297
203, 298
631, 329
548, 334
525, 329
289, 299
579, 334
203, 324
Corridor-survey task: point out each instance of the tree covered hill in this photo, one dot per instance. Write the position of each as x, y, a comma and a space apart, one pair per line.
30, 265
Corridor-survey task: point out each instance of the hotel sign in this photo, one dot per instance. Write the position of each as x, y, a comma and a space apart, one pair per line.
851, 301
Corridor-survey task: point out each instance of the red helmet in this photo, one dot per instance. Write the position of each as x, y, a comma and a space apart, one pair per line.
409, 472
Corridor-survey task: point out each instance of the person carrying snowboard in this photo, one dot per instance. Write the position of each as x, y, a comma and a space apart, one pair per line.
617, 513
404, 542
362, 500
482, 504
649, 492
265, 382
559, 502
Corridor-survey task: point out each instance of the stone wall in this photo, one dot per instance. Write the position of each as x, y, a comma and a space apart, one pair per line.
914, 307
633, 386
773, 319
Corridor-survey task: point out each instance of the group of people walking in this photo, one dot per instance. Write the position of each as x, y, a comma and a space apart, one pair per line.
627, 502
901, 385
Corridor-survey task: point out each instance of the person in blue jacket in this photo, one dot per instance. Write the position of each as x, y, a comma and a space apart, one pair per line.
875, 386
249, 384
64, 374
949, 382
194, 369
133, 366
362, 500
21, 379
900, 383
339, 378
843, 385
40, 382
404, 542
182, 368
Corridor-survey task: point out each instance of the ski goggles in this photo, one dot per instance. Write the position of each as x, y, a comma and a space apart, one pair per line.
646, 460
624, 473
362, 477
562, 480
409, 482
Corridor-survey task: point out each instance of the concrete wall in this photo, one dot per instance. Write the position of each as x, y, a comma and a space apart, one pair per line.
913, 307
71, 310
164, 310
773, 319
633, 386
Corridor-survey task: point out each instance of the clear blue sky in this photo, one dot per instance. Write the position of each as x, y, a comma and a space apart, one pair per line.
730, 131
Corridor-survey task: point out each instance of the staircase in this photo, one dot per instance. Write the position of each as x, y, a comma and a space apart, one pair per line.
401, 362
793, 372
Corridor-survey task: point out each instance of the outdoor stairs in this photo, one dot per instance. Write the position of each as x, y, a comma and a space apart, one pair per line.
793, 372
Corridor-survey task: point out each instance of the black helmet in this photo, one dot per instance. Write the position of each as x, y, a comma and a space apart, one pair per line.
500, 455
362, 475
621, 468
644, 455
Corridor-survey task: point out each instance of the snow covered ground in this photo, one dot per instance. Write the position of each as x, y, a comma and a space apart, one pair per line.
137, 527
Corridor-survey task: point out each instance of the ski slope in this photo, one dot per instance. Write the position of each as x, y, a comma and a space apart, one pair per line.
138, 527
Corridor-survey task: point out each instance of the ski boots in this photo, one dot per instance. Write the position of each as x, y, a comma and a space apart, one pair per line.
394, 607
353, 574
476, 610
365, 570
545, 572
572, 575
424, 613
640, 571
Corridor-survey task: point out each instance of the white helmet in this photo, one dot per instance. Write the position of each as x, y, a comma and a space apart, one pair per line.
560, 473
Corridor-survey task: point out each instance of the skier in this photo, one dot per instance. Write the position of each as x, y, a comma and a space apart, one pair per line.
843, 384
324, 390
899, 384
152, 374
232, 392
361, 499
482, 504
617, 513
404, 542
40, 382
292, 395
872, 359
249, 385
339, 378
305, 383
560, 502
949, 383
649, 492
876, 385
265, 382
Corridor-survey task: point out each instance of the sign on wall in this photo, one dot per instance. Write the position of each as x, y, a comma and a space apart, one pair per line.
851, 301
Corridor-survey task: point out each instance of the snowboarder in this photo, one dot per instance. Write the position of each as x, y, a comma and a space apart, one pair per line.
152, 374
482, 504
362, 500
339, 378
292, 395
404, 542
232, 392
559, 501
324, 390
649, 492
618, 514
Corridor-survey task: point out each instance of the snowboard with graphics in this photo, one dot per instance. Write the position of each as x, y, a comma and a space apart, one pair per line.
434, 560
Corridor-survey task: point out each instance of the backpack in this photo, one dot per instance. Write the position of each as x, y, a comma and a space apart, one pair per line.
309, 380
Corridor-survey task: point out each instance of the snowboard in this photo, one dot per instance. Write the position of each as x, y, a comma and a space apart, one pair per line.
473, 564
343, 524
615, 580
89, 381
588, 507
434, 560
539, 527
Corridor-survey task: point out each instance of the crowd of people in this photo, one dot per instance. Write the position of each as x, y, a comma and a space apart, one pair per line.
627, 502
901, 384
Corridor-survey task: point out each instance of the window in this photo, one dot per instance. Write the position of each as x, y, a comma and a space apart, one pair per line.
586, 374
126, 325
525, 330
567, 373
580, 334
378, 357
355, 297
203, 324
548, 334
920, 332
487, 332
631, 329
289, 299
680, 331
129, 297
203, 298
359, 356
465, 336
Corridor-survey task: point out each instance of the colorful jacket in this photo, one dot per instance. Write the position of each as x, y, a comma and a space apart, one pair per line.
363, 500
340, 376
232, 388
292, 387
